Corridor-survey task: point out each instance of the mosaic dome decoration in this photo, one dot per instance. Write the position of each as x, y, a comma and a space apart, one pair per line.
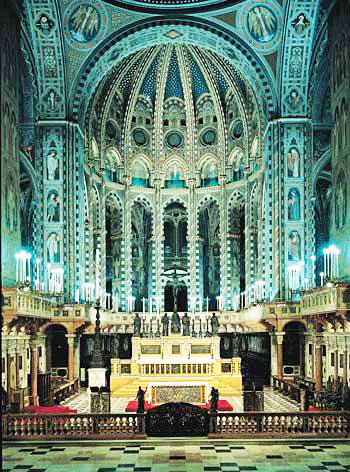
261, 24
171, 4
85, 24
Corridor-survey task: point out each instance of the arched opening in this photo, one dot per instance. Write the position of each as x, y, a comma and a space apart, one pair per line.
141, 255
113, 249
293, 349
209, 231
57, 351
175, 236
237, 246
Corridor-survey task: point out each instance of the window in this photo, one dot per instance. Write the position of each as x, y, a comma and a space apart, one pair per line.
310, 349
332, 359
341, 361
183, 122
133, 119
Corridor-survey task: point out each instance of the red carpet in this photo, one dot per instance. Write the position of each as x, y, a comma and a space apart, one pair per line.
49, 410
223, 405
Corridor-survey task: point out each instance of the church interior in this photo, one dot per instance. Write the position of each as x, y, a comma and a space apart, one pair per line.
175, 235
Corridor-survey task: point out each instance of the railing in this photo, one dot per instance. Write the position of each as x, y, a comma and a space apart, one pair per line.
176, 369
243, 425
287, 387
64, 391
129, 425
326, 300
73, 426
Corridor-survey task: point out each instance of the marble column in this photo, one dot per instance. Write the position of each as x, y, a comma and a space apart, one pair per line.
318, 365
70, 341
273, 355
34, 371
279, 337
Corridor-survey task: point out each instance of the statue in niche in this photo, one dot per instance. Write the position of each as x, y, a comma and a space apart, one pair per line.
214, 321
53, 248
11, 209
52, 165
340, 203
294, 205
294, 246
186, 325
116, 259
293, 163
165, 324
300, 24
53, 207
175, 323
137, 325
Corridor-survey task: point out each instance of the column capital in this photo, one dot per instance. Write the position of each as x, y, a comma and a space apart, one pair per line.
70, 339
279, 336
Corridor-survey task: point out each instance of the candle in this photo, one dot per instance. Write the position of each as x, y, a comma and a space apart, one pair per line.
207, 305
200, 304
143, 306
77, 296
150, 308
321, 275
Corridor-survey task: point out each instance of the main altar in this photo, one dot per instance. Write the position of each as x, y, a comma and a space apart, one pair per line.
176, 368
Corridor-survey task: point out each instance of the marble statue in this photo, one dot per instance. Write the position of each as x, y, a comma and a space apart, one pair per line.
165, 324
137, 325
175, 323
186, 325
214, 321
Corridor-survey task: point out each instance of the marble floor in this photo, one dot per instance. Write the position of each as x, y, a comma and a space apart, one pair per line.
273, 402
181, 455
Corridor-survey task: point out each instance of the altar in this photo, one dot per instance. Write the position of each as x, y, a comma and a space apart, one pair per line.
178, 367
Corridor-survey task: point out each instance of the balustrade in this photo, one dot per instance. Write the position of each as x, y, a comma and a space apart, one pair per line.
73, 426
129, 425
176, 369
280, 424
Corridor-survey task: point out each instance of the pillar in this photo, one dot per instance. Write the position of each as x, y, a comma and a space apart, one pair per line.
273, 355
318, 365
70, 341
279, 337
34, 371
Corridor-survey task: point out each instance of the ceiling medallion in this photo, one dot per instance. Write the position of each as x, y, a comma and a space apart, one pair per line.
261, 24
173, 34
85, 24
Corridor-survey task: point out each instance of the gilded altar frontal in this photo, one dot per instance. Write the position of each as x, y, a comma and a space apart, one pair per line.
175, 235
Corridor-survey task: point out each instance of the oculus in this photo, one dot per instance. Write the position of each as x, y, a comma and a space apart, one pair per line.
237, 130
174, 139
112, 131
140, 137
208, 137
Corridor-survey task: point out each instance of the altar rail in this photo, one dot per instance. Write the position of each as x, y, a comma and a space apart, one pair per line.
291, 425
72, 426
222, 425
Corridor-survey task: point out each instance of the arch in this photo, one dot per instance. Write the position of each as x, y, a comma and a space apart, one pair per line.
145, 201
133, 38
175, 199
237, 197
319, 165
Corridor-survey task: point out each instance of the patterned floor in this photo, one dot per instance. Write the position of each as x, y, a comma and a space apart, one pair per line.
273, 402
179, 456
